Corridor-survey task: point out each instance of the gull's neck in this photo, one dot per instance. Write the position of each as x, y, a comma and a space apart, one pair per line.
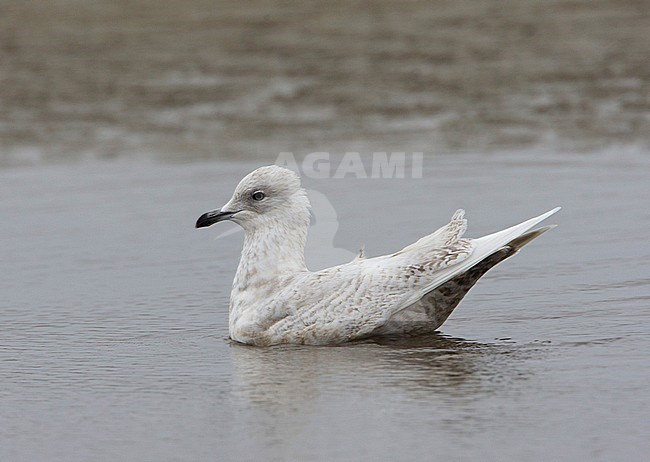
272, 256
272, 251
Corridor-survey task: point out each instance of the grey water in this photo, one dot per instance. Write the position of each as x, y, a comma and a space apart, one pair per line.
114, 320
121, 123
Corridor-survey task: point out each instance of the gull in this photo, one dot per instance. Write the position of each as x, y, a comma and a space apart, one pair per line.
275, 299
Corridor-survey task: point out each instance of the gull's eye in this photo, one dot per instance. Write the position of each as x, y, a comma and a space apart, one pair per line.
258, 196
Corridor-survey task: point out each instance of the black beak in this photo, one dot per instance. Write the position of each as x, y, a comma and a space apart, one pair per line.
210, 218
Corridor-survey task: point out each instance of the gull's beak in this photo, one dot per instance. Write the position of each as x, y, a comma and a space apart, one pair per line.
215, 216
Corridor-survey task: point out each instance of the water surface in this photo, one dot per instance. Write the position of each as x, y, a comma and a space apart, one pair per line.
114, 320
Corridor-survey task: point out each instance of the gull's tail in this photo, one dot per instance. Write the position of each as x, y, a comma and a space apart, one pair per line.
514, 238
439, 298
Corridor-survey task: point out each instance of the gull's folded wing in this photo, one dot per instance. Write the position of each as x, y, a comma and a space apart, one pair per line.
349, 301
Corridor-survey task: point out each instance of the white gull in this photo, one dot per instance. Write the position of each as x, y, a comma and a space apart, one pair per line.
275, 299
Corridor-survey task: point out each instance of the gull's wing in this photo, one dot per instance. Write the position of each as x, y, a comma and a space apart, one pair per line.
444, 236
349, 301
481, 248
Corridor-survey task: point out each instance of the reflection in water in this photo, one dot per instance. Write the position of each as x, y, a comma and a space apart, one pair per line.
290, 377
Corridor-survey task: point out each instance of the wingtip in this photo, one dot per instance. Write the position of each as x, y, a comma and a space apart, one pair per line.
544, 216
525, 238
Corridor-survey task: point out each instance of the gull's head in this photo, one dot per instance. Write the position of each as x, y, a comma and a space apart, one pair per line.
267, 196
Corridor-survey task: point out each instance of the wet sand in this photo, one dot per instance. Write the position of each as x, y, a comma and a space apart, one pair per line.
203, 79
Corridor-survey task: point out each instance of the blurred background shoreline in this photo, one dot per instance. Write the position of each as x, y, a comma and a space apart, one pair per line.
190, 80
